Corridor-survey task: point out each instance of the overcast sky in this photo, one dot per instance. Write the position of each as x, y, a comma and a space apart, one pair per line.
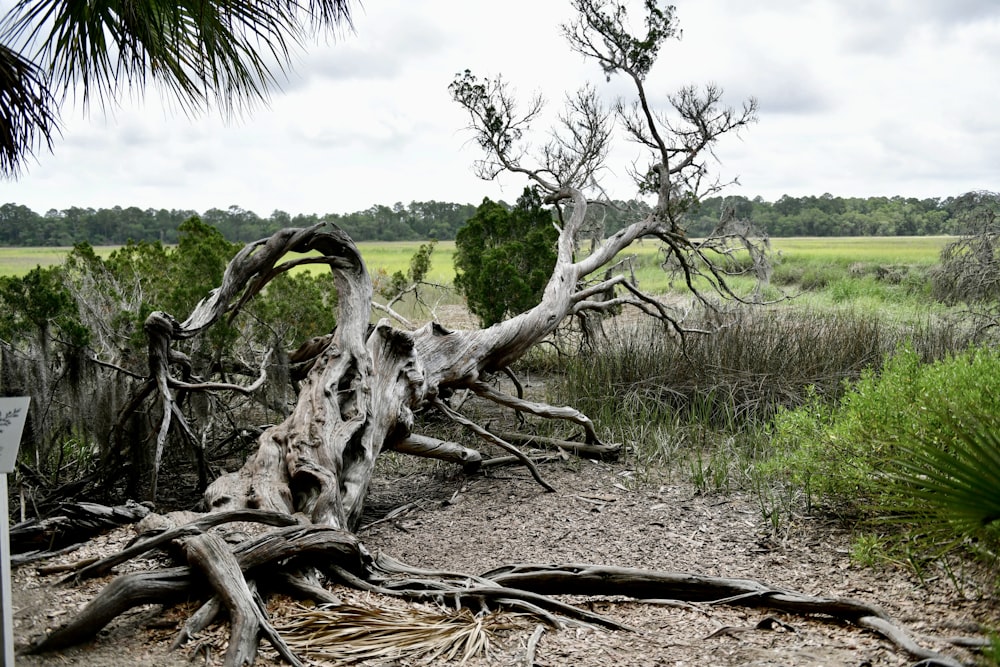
857, 98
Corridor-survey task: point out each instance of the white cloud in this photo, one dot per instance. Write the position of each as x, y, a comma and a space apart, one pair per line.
856, 98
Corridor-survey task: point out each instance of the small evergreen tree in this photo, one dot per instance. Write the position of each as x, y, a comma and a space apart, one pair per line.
503, 258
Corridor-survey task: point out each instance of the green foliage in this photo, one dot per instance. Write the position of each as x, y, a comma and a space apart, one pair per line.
845, 290
952, 472
296, 307
991, 654
868, 550
830, 216
60, 317
630, 53
844, 454
39, 304
22, 227
30, 116
173, 280
420, 265
503, 259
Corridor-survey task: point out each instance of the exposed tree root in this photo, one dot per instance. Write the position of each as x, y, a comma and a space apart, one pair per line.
285, 557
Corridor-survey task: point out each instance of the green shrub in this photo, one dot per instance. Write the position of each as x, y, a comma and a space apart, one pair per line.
504, 258
847, 455
818, 277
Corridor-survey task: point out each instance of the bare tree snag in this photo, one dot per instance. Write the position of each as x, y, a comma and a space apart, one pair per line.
362, 384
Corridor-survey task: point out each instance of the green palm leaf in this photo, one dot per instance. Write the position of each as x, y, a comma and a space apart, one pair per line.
223, 53
956, 480
27, 111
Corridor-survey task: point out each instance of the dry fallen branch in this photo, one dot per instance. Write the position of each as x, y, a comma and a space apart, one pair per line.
236, 571
496, 440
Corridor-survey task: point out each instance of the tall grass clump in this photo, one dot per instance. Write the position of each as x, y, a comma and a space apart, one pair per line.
745, 372
707, 403
732, 381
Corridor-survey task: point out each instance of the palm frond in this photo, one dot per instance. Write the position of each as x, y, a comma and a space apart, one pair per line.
28, 117
354, 632
956, 481
226, 51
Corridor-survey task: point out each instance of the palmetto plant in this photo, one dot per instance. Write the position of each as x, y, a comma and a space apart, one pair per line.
955, 481
204, 53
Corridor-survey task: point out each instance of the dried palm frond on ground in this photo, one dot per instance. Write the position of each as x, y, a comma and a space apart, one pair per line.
356, 631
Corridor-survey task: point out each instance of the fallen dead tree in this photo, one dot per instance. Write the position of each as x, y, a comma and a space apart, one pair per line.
284, 520
71, 525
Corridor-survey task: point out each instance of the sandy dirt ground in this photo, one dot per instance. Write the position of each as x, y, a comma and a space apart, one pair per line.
599, 514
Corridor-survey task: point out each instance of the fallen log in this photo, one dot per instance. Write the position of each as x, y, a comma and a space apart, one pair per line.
74, 524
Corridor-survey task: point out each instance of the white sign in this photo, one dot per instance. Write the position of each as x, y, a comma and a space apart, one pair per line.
13, 414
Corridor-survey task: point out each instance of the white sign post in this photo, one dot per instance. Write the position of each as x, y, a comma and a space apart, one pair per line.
13, 414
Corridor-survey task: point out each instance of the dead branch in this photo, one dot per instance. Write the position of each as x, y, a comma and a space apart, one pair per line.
428, 447
584, 449
540, 409
489, 437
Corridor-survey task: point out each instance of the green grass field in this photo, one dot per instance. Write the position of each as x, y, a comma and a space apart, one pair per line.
19, 261
390, 257
805, 262
913, 250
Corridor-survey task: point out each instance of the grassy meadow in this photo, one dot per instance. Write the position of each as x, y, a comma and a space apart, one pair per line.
380, 256
19, 261
820, 254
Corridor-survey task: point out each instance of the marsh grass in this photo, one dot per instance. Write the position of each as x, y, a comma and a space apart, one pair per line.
705, 406
764, 360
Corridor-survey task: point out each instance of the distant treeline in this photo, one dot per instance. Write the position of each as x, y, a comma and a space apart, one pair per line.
825, 215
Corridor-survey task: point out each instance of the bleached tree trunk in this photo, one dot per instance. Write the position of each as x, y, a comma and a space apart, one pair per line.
364, 387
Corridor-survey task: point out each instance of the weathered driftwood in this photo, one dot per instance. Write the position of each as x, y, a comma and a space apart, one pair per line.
425, 446
234, 572
72, 524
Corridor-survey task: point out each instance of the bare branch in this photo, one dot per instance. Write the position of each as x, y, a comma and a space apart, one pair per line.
540, 409
498, 125
496, 440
